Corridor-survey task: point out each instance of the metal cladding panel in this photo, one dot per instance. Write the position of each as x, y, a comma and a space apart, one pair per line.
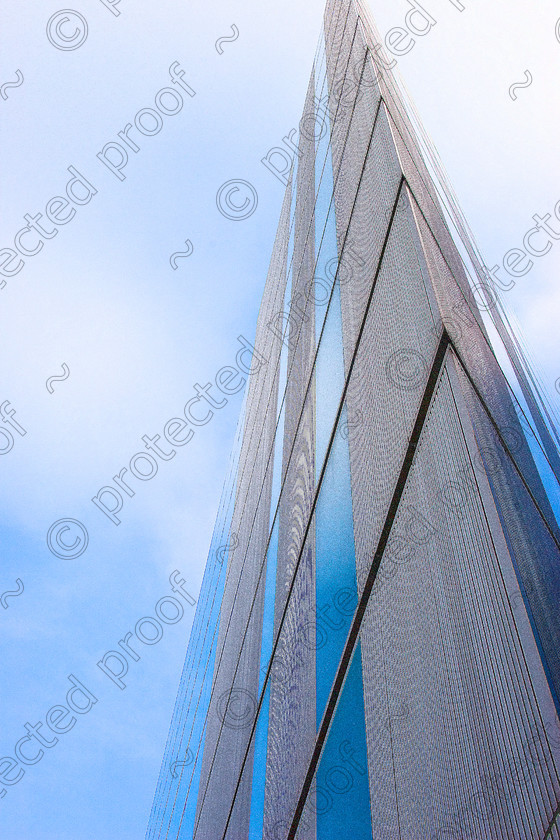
391, 368
460, 314
235, 682
335, 21
354, 98
530, 524
430, 207
450, 699
406, 142
371, 199
305, 641
291, 724
533, 543
353, 102
389, 374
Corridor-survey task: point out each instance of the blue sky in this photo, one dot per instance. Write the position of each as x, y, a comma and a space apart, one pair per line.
136, 335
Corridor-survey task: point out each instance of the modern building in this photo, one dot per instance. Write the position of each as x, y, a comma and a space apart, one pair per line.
376, 649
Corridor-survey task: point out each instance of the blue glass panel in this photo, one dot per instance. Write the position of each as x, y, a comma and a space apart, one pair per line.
548, 478
342, 785
329, 373
189, 730
336, 588
174, 805
329, 380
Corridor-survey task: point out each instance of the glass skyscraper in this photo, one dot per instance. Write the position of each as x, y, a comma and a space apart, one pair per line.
376, 648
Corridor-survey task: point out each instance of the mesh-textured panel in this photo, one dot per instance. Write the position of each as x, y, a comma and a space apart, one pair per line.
533, 544
236, 676
459, 313
354, 99
291, 728
533, 535
336, 16
406, 143
373, 199
390, 373
451, 700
